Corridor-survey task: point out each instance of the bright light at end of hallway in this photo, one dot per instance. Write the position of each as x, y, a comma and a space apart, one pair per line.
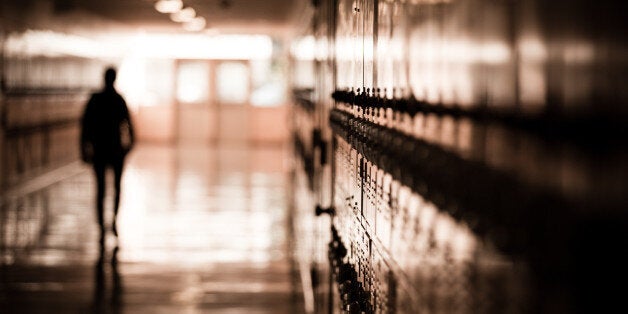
201, 46
304, 48
192, 82
133, 71
131, 81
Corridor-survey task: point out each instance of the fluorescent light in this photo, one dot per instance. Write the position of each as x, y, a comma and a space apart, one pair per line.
195, 25
184, 15
168, 6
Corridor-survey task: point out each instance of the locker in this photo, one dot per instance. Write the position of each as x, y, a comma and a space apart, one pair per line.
468, 153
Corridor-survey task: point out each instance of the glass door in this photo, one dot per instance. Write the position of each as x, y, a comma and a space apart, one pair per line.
195, 116
232, 81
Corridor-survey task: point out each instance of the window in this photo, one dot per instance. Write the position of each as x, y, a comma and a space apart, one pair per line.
269, 85
232, 83
193, 82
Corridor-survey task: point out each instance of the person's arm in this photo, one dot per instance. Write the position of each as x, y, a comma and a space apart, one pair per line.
129, 123
86, 145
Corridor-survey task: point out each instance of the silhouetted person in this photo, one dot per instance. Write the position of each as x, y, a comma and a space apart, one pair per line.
106, 138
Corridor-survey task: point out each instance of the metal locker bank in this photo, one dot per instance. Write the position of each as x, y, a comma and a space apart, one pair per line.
461, 156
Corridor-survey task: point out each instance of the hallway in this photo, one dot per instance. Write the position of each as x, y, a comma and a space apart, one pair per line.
202, 230
332, 156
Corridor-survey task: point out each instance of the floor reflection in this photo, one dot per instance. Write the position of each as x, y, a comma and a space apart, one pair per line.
107, 300
201, 230
203, 206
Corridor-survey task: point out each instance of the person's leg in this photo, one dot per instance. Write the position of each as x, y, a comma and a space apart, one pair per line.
99, 171
118, 166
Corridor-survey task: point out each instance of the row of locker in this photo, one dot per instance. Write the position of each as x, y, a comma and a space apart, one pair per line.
438, 259
30, 110
26, 155
41, 103
476, 152
479, 207
400, 205
311, 231
40, 131
433, 262
35, 73
525, 56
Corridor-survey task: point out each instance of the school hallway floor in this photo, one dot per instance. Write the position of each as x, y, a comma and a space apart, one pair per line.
202, 230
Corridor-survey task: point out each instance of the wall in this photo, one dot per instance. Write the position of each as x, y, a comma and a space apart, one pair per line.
269, 125
472, 156
155, 124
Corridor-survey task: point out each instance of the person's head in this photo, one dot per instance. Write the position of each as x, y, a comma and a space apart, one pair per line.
110, 77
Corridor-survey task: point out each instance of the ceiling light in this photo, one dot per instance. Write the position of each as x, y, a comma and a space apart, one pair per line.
184, 15
196, 24
168, 6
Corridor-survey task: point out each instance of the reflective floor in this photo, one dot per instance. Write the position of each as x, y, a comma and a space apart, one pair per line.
201, 230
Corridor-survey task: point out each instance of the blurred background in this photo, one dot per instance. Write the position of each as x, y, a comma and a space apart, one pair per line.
318, 156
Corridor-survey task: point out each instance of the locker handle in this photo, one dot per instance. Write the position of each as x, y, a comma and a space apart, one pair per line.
320, 210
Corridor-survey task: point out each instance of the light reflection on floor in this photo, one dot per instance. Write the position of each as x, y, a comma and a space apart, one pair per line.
201, 230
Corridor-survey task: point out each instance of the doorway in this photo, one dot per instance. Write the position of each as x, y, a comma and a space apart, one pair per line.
195, 117
229, 102
232, 84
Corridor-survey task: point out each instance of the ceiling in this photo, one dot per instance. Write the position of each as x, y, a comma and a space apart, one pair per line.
224, 16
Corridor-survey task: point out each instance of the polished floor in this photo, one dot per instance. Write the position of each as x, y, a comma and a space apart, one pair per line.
202, 230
